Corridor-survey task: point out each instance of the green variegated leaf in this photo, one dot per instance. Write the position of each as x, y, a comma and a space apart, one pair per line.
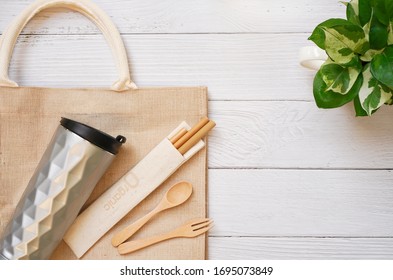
364, 11
352, 11
368, 56
358, 108
339, 78
330, 99
377, 34
382, 67
365, 37
390, 34
341, 39
359, 11
383, 10
372, 94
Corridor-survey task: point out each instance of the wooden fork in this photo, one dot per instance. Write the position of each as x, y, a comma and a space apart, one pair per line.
192, 228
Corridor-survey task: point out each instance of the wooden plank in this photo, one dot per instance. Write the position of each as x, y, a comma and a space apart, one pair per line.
172, 16
221, 248
340, 203
234, 67
248, 134
298, 135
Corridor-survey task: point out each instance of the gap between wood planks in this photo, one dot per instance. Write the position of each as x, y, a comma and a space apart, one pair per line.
292, 236
166, 33
301, 168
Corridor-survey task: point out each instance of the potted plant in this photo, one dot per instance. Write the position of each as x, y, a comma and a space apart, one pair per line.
359, 67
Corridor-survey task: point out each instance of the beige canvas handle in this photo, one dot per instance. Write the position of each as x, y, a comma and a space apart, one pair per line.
85, 7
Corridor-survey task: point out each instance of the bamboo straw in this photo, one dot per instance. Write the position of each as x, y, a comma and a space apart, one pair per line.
179, 135
196, 137
191, 132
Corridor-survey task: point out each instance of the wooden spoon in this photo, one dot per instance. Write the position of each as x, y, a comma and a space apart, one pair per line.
175, 196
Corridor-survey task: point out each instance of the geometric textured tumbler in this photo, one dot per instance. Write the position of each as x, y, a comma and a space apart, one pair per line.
74, 161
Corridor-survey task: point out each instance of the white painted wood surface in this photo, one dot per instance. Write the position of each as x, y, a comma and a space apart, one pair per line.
309, 248
302, 203
174, 16
224, 62
286, 180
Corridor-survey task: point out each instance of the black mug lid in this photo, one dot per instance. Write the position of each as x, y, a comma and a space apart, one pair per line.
94, 136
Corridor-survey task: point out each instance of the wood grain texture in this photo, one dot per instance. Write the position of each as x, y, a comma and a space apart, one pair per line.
273, 155
233, 66
172, 16
341, 203
300, 248
288, 134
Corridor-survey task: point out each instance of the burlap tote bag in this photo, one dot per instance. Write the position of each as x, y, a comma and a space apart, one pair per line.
30, 115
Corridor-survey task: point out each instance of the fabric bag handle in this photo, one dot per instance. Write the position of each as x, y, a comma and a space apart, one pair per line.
85, 7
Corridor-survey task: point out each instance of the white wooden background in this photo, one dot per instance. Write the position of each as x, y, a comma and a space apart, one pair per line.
286, 180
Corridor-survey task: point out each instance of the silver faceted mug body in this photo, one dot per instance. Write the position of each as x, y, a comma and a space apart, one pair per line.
74, 161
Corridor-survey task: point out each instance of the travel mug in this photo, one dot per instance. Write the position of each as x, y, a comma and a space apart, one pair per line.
74, 161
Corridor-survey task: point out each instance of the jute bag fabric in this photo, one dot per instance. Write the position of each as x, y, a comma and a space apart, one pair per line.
30, 115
